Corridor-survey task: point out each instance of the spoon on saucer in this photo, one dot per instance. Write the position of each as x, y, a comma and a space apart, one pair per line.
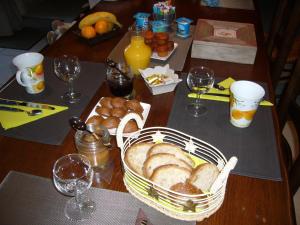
33, 112
77, 124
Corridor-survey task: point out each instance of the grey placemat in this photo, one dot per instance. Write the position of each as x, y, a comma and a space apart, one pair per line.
176, 60
254, 146
28, 199
53, 129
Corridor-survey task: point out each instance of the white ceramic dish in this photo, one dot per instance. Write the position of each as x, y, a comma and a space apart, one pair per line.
145, 114
155, 55
169, 83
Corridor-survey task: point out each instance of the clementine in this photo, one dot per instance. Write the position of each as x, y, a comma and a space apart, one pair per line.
88, 32
102, 26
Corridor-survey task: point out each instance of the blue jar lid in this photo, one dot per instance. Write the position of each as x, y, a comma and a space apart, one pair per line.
184, 20
141, 15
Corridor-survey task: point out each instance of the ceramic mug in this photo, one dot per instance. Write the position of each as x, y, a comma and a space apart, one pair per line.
244, 100
30, 72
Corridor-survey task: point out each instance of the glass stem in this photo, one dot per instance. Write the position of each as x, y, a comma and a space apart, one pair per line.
71, 87
80, 197
198, 94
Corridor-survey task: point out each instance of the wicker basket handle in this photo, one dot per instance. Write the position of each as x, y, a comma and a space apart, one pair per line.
122, 124
224, 174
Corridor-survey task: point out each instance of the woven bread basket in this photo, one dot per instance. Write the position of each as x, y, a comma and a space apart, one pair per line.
180, 206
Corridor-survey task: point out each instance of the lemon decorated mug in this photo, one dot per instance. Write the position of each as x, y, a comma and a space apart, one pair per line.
30, 72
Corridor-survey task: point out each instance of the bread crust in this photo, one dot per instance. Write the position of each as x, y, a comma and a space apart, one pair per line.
171, 149
204, 175
168, 175
136, 155
160, 159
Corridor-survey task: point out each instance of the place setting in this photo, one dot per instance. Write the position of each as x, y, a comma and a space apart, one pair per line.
45, 94
233, 115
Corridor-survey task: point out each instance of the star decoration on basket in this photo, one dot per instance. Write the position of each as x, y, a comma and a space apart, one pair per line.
158, 137
153, 193
190, 146
190, 206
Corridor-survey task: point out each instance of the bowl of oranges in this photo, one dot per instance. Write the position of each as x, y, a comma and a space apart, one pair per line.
97, 27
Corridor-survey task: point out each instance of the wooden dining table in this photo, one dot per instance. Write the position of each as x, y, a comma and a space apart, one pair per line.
248, 200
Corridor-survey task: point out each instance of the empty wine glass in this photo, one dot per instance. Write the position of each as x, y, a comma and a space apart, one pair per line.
199, 80
67, 68
72, 176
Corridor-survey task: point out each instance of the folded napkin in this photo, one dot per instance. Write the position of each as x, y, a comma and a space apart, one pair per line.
10, 119
226, 84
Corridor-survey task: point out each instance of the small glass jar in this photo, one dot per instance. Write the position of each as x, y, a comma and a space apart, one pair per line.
95, 150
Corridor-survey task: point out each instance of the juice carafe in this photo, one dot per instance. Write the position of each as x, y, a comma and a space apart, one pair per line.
137, 54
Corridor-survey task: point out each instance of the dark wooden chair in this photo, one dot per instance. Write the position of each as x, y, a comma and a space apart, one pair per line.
289, 108
283, 38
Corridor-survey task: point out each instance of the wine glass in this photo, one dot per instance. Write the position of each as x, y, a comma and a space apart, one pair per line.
199, 80
72, 176
67, 68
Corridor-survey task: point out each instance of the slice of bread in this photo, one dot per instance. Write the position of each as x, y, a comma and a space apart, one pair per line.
136, 155
161, 159
171, 149
168, 175
204, 175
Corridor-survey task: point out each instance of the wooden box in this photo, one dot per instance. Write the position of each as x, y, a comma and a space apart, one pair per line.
224, 41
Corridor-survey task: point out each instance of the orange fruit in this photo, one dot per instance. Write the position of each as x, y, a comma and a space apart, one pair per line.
236, 114
88, 32
102, 26
249, 114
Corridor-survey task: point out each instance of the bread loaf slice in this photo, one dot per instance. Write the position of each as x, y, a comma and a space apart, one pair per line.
171, 149
168, 175
161, 159
136, 155
204, 175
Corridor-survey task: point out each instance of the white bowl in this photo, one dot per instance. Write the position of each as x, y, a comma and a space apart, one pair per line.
169, 82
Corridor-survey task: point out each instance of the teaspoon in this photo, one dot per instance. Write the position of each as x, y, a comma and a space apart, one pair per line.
113, 64
77, 124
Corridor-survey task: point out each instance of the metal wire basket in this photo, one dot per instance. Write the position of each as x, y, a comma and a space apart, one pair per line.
174, 204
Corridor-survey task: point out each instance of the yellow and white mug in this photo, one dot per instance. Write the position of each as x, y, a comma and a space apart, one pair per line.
30, 72
245, 97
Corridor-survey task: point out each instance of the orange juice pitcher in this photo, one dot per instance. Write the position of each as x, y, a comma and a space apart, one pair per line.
137, 54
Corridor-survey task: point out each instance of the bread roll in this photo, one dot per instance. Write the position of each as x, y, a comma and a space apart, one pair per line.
134, 105
118, 102
103, 111
169, 175
204, 175
111, 122
95, 119
136, 155
130, 126
106, 102
161, 159
171, 149
118, 112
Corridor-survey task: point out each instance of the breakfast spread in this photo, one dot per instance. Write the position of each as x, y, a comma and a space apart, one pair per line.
168, 166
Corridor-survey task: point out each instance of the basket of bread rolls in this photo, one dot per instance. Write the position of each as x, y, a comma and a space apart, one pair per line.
173, 172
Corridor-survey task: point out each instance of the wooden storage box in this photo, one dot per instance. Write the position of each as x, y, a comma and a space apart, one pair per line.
224, 41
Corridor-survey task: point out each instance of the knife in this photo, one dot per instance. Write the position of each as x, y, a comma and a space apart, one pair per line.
27, 104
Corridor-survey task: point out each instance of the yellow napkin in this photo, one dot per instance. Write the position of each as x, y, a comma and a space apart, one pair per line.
226, 84
14, 119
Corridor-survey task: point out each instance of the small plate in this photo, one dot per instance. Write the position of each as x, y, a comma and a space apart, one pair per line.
113, 131
155, 55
